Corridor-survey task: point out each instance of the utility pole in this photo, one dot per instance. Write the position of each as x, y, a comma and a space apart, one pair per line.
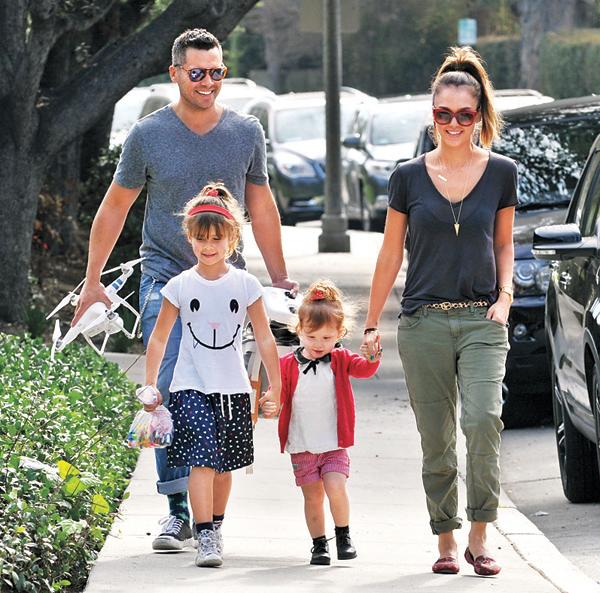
334, 223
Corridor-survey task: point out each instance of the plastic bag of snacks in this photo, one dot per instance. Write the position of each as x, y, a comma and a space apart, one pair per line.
151, 429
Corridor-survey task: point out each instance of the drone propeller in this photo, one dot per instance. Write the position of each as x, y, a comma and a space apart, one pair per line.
69, 298
128, 265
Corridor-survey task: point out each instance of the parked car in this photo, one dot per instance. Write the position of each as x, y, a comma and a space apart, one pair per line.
294, 126
143, 100
235, 93
126, 112
573, 331
549, 142
381, 135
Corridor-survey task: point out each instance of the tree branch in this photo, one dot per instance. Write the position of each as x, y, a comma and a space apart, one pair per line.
82, 18
120, 66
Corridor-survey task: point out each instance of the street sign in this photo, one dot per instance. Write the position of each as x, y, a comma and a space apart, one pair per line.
467, 31
311, 16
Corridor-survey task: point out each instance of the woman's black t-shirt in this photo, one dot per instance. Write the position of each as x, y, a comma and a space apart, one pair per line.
442, 266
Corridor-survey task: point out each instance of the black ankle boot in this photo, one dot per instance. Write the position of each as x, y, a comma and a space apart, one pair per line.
320, 551
345, 547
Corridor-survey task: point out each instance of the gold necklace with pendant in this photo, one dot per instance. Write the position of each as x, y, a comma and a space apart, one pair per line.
455, 217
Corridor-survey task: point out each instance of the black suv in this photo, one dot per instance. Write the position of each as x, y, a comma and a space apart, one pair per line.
550, 143
573, 332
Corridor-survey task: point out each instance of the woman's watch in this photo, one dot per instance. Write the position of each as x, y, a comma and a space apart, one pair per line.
509, 291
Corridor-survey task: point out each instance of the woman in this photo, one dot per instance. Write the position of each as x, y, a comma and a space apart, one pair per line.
458, 203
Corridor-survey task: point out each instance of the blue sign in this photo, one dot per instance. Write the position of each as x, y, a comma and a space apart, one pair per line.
467, 31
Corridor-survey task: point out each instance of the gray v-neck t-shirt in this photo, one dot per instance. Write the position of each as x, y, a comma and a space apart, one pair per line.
175, 163
441, 265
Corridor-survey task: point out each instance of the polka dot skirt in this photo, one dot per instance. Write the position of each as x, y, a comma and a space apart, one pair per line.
210, 430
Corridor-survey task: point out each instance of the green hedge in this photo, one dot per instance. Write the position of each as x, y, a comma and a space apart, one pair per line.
569, 63
63, 463
501, 55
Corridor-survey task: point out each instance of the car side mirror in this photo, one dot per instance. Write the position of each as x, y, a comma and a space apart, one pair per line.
352, 141
562, 241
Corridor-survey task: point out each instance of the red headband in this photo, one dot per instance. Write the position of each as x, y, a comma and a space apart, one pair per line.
210, 208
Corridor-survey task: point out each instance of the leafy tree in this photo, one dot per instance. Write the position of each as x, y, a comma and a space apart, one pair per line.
41, 114
537, 17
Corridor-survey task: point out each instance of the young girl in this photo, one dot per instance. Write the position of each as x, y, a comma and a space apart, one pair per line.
316, 424
209, 399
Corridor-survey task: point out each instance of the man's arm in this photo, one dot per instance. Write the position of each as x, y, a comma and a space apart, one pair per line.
266, 227
106, 229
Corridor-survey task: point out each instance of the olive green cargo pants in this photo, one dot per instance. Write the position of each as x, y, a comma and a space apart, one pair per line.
442, 351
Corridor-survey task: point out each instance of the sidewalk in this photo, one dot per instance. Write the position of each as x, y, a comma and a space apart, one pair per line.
266, 542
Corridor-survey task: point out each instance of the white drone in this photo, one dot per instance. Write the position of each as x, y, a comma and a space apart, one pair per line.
98, 318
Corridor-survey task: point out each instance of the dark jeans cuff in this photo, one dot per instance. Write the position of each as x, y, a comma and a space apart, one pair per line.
482, 516
173, 486
438, 527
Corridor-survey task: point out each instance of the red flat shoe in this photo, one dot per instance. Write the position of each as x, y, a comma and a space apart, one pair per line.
483, 565
446, 565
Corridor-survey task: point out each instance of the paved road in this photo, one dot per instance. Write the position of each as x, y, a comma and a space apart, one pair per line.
531, 477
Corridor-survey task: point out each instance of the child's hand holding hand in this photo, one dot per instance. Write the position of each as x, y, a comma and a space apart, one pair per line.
150, 396
269, 403
371, 347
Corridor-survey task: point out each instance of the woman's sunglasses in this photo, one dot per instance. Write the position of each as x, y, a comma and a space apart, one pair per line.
198, 74
464, 117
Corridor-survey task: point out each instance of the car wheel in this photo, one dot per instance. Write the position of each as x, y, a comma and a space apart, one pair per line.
576, 455
521, 410
596, 411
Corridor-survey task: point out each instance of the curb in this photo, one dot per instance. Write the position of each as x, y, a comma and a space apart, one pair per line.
539, 553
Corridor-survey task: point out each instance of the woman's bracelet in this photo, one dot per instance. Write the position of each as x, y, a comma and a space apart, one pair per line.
370, 330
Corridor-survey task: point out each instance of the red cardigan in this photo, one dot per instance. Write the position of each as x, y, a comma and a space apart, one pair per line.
344, 364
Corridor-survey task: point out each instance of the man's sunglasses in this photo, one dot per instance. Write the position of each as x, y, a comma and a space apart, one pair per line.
464, 117
198, 74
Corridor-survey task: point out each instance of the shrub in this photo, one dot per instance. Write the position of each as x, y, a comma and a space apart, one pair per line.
502, 58
63, 463
569, 63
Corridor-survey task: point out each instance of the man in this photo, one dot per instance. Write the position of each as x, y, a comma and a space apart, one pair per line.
175, 151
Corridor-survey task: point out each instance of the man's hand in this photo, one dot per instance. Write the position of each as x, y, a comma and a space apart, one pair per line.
269, 403
91, 292
290, 285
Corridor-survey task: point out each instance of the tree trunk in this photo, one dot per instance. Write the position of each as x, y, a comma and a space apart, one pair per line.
538, 17
38, 119
20, 183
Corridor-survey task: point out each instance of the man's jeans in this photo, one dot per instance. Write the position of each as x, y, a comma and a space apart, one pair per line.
170, 480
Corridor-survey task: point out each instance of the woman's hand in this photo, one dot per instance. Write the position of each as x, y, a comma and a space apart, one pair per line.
371, 345
499, 310
269, 403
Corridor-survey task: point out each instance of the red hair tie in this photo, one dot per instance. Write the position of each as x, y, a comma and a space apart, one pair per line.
210, 208
317, 295
213, 193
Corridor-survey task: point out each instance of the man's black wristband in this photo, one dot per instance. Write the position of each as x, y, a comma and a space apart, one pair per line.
370, 330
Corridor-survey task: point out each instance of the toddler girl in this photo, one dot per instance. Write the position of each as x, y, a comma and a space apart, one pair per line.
316, 425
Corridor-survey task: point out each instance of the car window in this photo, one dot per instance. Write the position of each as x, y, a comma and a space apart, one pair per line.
398, 125
550, 156
590, 192
306, 123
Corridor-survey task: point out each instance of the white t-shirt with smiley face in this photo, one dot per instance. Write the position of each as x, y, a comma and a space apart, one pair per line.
212, 316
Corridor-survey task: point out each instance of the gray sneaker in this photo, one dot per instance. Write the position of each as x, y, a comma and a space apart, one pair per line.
218, 534
175, 535
208, 554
